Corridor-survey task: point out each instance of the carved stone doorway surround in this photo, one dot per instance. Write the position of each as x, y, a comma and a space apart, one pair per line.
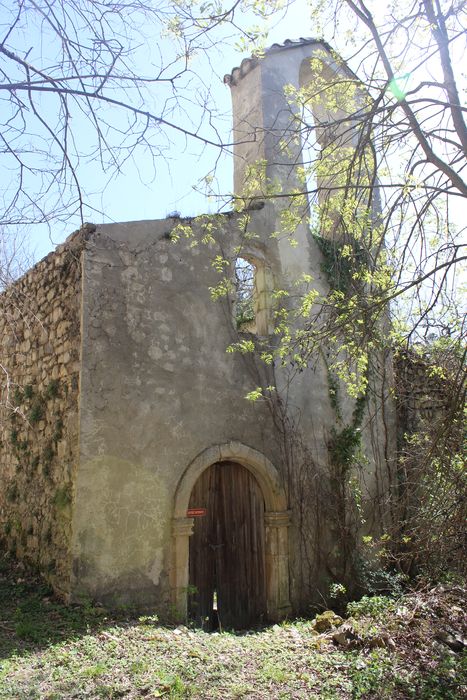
276, 523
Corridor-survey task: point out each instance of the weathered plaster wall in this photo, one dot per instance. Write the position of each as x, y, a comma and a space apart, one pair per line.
157, 389
39, 357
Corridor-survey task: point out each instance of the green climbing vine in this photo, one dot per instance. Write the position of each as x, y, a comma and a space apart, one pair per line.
345, 443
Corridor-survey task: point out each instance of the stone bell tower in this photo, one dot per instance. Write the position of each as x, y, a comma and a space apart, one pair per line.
265, 124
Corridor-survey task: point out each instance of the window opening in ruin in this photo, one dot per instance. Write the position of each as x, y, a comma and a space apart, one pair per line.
253, 285
245, 284
311, 151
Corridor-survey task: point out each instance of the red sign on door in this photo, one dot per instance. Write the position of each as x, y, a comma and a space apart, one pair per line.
196, 512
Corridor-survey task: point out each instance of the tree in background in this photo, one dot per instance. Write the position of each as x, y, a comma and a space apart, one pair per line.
395, 196
90, 86
384, 171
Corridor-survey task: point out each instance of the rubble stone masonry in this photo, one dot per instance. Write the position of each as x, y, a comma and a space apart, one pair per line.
39, 385
424, 398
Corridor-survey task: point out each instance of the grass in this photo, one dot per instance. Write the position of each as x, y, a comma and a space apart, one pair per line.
53, 652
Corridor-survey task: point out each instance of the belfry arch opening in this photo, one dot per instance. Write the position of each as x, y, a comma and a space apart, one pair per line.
310, 155
330, 100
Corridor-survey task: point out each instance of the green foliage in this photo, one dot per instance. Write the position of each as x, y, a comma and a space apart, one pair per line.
58, 432
245, 313
337, 591
376, 607
444, 680
26, 629
376, 572
307, 303
359, 410
86, 651
219, 263
378, 677
339, 265
181, 230
257, 186
28, 392
431, 467
148, 619
244, 318
37, 411
53, 389
94, 671
62, 497
223, 289
333, 391
12, 493
17, 444
48, 453
344, 445
14, 438
374, 677
243, 346
255, 394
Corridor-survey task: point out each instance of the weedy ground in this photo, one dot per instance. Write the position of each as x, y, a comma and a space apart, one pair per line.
388, 649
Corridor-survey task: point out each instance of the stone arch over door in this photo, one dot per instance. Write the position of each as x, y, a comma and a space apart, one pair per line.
276, 523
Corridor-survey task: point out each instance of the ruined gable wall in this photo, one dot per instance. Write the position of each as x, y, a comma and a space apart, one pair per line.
157, 388
39, 356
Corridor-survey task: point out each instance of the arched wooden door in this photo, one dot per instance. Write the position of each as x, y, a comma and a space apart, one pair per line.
226, 566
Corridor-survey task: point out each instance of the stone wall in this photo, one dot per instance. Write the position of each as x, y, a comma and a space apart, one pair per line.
39, 358
424, 397
142, 348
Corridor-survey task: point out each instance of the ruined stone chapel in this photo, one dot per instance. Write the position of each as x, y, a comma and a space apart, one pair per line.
133, 470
